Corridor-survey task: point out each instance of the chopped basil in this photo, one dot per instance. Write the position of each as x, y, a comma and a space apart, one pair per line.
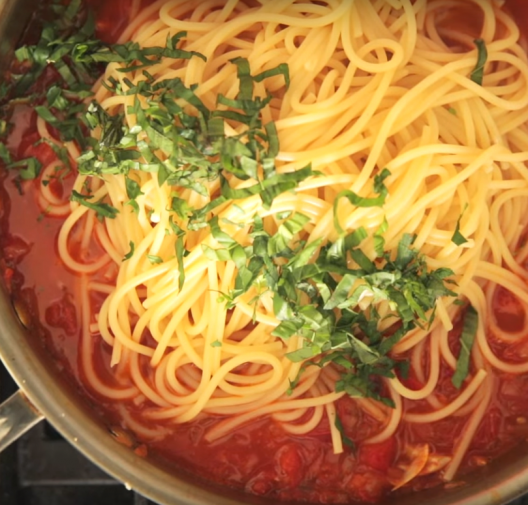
477, 75
457, 237
132, 188
350, 338
379, 241
359, 201
279, 243
180, 250
100, 208
60, 151
467, 338
5, 155
281, 69
131, 252
155, 260
28, 168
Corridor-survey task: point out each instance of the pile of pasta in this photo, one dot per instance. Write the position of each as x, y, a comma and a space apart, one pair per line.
381, 84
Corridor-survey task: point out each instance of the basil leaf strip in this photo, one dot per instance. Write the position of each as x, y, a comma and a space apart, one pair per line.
101, 209
477, 75
467, 338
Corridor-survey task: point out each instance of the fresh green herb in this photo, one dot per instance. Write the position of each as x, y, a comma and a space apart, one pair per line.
28, 168
5, 155
131, 252
100, 208
359, 201
339, 321
180, 252
279, 244
457, 237
196, 150
62, 154
68, 43
467, 338
216, 343
477, 75
327, 294
132, 188
143, 56
347, 441
379, 241
452, 110
155, 260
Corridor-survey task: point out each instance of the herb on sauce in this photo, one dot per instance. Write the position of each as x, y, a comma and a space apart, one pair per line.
28, 168
346, 440
467, 338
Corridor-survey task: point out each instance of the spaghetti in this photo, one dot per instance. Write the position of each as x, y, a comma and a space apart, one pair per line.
374, 85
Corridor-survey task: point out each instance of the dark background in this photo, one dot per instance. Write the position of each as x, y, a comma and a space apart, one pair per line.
43, 469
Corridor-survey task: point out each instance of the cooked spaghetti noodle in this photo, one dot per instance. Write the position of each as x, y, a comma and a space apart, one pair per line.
382, 84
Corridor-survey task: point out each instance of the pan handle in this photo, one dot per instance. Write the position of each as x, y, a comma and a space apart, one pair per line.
17, 415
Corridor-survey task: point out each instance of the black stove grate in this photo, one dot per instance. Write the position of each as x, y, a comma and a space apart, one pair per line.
41, 468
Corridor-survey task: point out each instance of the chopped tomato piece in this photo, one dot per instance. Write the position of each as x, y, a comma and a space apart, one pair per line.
508, 309
28, 136
15, 249
263, 483
378, 456
8, 277
289, 465
349, 415
367, 487
43, 152
62, 314
141, 450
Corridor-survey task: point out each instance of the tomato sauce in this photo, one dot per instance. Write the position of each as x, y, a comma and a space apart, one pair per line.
259, 457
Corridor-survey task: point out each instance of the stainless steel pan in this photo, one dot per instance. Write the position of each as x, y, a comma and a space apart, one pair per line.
45, 392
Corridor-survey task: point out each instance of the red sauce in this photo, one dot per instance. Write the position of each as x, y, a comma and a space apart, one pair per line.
259, 457
519, 9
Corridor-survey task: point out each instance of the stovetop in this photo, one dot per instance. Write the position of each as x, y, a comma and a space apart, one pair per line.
41, 468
